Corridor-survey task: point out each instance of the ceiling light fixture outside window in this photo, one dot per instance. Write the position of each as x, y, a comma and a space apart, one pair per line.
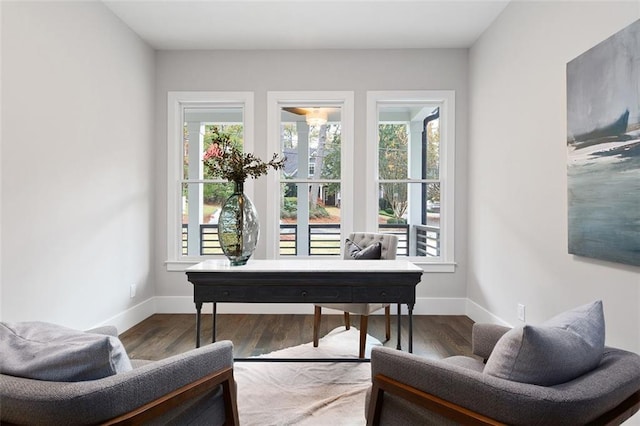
316, 117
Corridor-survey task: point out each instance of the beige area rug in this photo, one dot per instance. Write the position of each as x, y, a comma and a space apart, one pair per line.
306, 393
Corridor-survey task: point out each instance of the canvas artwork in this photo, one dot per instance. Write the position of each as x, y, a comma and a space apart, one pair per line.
603, 144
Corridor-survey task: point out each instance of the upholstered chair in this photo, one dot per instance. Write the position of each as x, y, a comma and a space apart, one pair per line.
545, 375
361, 245
196, 387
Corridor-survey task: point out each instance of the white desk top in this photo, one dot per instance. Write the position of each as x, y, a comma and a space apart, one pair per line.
307, 265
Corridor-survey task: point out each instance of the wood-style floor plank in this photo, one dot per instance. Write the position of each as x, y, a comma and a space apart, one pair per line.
164, 335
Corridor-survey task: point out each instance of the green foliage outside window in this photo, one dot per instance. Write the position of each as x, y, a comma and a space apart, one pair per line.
331, 164
393, 164
290, 210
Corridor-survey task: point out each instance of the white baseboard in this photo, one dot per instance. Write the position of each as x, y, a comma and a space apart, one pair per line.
132, 316
479, 314
439, 306
185, 305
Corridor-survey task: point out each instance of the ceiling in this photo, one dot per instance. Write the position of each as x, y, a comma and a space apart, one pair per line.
307, 24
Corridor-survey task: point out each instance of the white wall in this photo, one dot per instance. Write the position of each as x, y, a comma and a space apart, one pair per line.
353, 70
77, 163
83, 196
517, 169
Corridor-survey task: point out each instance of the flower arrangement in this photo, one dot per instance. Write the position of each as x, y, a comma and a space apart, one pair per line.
226, 161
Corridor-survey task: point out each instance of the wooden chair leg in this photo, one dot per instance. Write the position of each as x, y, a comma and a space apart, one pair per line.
347, 321
317, 314
364, 321
387, 314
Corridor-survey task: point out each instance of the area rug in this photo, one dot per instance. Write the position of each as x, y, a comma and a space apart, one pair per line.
306, 393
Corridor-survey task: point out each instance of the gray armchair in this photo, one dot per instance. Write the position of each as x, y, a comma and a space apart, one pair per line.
196, 387
389, 247
412, 390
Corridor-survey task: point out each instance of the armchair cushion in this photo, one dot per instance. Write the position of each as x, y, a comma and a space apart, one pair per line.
561, 349
374, 251
44, 351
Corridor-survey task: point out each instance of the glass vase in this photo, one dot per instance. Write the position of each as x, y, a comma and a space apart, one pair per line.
238, 226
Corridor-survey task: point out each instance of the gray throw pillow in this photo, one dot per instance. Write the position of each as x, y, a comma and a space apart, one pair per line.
374, 251
43, 351
561, 349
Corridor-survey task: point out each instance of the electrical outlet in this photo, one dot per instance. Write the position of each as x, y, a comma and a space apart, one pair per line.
132, 290
521, 312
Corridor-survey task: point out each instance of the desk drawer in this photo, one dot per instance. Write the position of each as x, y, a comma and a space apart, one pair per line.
301, 294
383, 294
222, 293
271, 294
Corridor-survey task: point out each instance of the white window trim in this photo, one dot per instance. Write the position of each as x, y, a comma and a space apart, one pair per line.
274, 101
176, 104
446, 100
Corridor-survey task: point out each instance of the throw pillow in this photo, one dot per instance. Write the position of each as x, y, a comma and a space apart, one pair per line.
561, 349
43, 351
374, 251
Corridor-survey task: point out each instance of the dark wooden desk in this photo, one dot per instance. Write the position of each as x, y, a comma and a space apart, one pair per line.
305, 281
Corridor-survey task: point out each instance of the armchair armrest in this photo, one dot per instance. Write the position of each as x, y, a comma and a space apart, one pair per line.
611, 386
431, 402
484, 338
448, 388
95, 401
163, 404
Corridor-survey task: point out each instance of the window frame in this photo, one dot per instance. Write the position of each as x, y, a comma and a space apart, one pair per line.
276, 100
445, 99
177, 102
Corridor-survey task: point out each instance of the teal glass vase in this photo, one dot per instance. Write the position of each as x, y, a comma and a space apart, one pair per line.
238, 227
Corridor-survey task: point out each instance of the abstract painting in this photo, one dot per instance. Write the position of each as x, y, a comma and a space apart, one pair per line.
603, 144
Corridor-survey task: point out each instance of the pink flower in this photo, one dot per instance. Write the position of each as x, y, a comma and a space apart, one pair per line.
213, 151
223, 159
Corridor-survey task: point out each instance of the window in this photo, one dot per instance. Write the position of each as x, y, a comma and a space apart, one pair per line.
411, 161
407, 175
313, 130
195, 199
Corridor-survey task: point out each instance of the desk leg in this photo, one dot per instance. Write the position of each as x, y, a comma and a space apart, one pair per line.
399, 346
410, 306
198, 310
215, 311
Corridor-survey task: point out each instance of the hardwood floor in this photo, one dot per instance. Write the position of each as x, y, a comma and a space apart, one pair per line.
164, 335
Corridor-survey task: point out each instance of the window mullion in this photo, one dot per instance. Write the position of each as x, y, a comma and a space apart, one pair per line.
408, 180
